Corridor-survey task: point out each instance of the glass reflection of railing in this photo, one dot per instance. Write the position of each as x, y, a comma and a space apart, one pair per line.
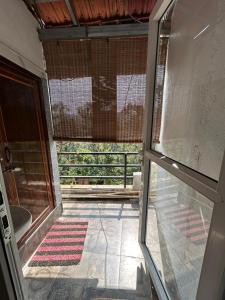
124, 166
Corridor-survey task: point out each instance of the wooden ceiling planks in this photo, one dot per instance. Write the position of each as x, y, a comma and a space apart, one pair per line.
54, 13
90, 12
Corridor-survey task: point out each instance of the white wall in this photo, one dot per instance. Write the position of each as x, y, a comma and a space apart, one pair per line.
19, 38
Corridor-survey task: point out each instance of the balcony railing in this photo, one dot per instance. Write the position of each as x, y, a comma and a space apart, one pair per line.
125, 166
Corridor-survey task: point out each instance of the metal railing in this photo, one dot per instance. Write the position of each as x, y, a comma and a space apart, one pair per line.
125, 165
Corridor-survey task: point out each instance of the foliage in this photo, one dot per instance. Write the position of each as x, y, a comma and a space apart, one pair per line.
96, 159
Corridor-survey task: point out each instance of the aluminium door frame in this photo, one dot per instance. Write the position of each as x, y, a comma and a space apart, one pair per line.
11, 253
211, 282
7, 286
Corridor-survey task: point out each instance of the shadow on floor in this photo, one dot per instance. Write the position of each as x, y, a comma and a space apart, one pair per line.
61, 288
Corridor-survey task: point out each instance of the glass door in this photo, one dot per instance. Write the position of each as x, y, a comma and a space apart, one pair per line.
182, 223
24, 149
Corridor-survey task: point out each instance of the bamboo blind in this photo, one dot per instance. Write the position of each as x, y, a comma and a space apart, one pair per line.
97, 88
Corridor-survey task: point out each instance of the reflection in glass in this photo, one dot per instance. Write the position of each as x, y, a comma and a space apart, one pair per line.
30, 177
25, 176
189, 123
178, 223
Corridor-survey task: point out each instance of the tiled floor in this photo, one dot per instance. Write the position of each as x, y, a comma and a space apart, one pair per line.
112, 265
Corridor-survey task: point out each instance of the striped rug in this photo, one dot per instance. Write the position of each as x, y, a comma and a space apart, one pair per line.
63, 244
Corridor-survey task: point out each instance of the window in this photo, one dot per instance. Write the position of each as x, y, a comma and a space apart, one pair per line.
178, 223
189, 109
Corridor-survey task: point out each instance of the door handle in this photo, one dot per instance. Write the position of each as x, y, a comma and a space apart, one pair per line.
8, 156
9, 168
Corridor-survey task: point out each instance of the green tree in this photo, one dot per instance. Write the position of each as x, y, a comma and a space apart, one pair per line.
96, 159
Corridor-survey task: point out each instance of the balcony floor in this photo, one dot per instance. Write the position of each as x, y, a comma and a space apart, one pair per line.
111, 266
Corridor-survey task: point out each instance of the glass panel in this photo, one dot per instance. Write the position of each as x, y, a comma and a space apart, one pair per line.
29, 174
189, 108
177, 230
25, 176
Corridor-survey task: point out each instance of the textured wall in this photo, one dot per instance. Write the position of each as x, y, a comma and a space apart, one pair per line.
19, 40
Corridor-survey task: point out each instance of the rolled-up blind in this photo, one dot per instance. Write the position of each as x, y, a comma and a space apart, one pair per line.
97, 88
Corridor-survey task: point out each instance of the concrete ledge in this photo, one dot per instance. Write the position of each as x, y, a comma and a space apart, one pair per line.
115, 192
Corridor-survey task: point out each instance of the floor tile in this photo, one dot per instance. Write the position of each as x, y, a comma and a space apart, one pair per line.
104, 268
129, 241
129, 271
101, 242
111, 265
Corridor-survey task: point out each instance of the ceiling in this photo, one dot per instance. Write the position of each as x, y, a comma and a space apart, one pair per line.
64, 13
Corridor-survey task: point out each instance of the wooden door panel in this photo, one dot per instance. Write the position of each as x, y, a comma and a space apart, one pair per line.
23, 129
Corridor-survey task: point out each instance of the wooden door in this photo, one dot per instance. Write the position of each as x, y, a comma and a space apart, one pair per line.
6, 164
24, 139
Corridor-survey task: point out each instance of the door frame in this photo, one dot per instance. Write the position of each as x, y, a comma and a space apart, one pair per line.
12, 71
7, 287
10, 261
211, 282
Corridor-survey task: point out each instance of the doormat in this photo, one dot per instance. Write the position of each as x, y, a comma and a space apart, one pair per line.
63, 244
